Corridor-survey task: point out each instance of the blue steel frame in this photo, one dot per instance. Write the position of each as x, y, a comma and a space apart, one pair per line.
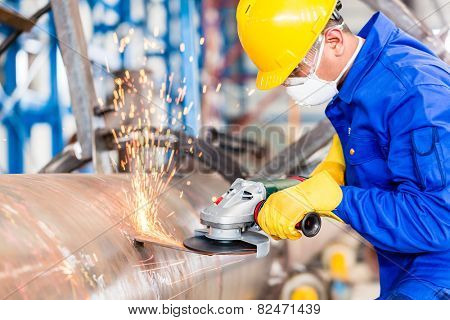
191, 67
24, 116
190, 34
192, 57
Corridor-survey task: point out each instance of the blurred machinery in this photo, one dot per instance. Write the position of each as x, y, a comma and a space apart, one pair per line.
344, 269
175, 61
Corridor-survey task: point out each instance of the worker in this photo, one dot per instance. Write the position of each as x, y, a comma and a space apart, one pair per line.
388, 170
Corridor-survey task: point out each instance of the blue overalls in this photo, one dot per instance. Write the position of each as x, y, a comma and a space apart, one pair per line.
393, 118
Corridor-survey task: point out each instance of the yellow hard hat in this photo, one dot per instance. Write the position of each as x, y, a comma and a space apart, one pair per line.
277, 34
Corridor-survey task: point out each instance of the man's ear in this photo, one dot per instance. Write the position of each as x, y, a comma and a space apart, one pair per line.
334, 38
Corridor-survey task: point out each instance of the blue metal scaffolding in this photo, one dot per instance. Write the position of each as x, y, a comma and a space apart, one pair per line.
28, 111
183, 15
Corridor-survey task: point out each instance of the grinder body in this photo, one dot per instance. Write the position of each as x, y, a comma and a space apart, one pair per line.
231, 222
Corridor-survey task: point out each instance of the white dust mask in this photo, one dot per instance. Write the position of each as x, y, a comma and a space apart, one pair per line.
313, 91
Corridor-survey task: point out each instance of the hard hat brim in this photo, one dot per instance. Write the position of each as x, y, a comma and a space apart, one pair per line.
273, 79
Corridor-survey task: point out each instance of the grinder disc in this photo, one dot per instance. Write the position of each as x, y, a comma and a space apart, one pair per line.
206, 246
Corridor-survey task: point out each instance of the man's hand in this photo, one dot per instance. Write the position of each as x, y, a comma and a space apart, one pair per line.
334, 163
284, 209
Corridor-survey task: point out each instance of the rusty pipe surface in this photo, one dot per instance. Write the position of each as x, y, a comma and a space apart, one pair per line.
70, 237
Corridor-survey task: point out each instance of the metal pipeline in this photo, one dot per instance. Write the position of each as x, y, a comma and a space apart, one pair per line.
408, 21
70, 237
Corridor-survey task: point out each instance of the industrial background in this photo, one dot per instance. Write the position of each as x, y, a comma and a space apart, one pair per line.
102, 87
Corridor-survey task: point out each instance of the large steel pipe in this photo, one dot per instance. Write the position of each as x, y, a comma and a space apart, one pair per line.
70, 237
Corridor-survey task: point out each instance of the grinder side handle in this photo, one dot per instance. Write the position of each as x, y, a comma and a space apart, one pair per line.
310, 225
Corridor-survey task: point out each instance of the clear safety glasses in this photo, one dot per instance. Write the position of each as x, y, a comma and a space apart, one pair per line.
310, 63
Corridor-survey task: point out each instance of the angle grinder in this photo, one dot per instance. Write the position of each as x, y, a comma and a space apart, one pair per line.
231, 221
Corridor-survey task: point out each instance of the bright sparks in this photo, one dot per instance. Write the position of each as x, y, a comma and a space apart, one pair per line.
149, 155
148, 185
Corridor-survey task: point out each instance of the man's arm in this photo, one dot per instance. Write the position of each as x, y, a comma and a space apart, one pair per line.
416, 217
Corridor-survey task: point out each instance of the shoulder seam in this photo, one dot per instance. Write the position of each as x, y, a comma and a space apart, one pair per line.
394, 71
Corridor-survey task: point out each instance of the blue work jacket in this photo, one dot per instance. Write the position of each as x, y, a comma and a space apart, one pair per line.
392, 115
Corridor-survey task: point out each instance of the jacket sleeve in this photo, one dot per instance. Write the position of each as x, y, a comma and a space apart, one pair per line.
415, 217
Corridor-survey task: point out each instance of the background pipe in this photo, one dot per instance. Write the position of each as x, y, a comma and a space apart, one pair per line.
408, 21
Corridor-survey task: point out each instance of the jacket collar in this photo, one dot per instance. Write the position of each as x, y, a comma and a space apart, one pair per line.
377, 33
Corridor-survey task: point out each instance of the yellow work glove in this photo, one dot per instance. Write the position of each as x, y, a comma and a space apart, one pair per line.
334, 163
284, 209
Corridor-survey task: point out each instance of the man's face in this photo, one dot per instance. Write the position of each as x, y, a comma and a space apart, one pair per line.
325, 57
335, 55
